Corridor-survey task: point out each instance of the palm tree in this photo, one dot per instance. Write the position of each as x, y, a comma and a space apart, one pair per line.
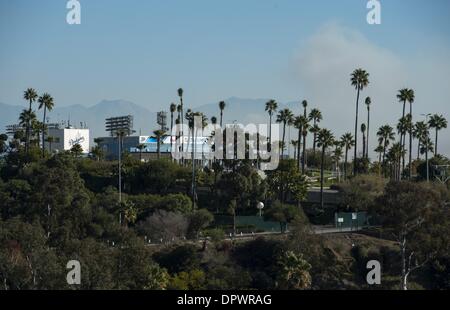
285, 117
214, 120
173, 109
427, 146
348, 142
295, 143
180, 94
385, 135
379, 149
325, 139
363, 131
271, 107
304, 105
222, 105
298, 125
316, 116
305, 127
26, 118
407, 95
31, 95
394, 156
437, 122
368, 103
76, 150
403, 126
158, 134
420, 131
140, 147
46, 102
359, 79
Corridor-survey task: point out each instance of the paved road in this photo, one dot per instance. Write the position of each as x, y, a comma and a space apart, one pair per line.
320, 230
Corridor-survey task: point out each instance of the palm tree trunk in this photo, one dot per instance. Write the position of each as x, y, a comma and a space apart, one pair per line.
269, 148
43, 132
436, 142
182, 130
418, 149
221, 117
356, 132
171, 128
304, 154
28, 130
345, 162
282, 144
321, 177
299, 142
404, 140
364, 145
368, 132
384, 156
410, 143
158, 147
314, 139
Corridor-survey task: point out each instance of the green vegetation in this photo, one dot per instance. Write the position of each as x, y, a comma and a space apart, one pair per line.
162, 230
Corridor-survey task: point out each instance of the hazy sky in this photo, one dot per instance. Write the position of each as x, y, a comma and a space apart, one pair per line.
143, 51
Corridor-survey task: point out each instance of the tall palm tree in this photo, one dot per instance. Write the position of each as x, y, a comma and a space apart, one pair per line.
285, 117
438, 122
27, 117
427, 146
46, 102
173, 109
348, 142
394, 157
379, 149
304, 105
222, 106
158, 134
325, 139
385, 136
420, 131
363, 131
407, 95
178, 122
297, 122
403, 126
295, 143
180, 94
305, 127
368, 103
271, 107
316, 116
359, 79
31, 95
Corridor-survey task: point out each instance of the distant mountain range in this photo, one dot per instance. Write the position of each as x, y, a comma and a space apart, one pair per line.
237, 109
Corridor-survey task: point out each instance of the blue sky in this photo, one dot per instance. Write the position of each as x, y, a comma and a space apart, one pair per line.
143, 51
